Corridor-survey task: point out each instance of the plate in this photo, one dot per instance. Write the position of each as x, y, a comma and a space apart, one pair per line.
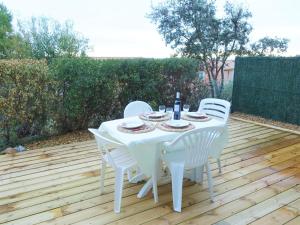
197, 115
132, 124
156, 115
177, 123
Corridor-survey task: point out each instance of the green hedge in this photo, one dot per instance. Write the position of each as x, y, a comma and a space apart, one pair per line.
26, 95
91, 91
268, 87
69, 94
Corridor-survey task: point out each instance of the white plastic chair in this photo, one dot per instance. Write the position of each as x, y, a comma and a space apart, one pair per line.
136, 108
220, 109
115, 155
190, 150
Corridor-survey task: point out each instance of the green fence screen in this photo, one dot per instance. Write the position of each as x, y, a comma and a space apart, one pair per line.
268, 87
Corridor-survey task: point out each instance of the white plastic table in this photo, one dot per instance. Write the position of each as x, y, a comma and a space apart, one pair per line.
144, 147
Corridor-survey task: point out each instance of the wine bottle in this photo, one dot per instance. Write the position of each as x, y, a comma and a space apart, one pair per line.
177, 107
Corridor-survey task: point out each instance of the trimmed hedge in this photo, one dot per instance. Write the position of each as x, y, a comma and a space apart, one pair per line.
69, 94
91, 91
268, 87
26, 93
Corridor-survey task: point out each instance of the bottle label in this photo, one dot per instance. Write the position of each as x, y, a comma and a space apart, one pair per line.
176, 108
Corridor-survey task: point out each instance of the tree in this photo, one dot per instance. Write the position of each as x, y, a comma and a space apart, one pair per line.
194, 30
269, 46
48, 38
5, 30
11, 44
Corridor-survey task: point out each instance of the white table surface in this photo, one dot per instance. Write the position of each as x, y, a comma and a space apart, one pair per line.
144, 147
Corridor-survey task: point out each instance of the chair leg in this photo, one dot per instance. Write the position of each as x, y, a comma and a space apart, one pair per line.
118, 189
210, 182
129, 174
193, 175
219, 165
177, 180
102, 177
154, 187
199, 174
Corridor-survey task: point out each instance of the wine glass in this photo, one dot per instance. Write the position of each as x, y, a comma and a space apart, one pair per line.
186, 107
162, 108
169, 110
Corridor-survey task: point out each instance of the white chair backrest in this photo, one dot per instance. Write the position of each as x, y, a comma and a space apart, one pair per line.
196, 144
215, 107
136, 108
104, 145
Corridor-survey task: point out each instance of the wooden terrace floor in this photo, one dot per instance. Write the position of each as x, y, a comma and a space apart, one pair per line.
60, 185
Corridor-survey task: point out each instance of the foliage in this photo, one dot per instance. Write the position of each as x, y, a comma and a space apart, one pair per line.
87, 92
198, 91
194, 30
227, 92
47, 38
11, 44
25, 94
268, 87
269, 46
5, 29
91, 91
77, 93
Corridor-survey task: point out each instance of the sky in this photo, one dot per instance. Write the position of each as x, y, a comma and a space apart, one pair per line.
119, 28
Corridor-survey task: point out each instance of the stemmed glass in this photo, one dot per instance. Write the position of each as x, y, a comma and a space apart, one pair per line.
162, 108
169, 109
186, 107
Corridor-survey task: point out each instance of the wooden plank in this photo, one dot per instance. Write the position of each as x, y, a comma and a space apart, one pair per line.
247, 131
259, 210
200, 199
295, 221
221, 212
252, 143
253, 151
253, 139
251, 135
281, 215
70, 171
68, 200
86, 158
55, 149
40, 156
259, 165
195, 197
266, 125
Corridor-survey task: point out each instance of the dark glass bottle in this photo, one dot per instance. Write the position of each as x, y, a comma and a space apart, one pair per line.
177, 107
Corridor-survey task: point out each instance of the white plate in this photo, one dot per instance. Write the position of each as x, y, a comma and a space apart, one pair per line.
156, 114
132, 124
177, 123
197, 115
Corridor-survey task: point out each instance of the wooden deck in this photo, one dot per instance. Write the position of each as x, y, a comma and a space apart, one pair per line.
60, 185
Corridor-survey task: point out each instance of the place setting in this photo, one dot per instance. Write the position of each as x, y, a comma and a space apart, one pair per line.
195, 116
175, 126
135, 127
155, 116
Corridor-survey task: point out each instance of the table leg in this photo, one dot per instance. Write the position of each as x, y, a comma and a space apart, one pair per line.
145, 189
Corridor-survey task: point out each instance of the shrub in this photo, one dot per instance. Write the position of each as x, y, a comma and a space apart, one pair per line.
227, 91
77, 93
91, 91
26, 92
87, 92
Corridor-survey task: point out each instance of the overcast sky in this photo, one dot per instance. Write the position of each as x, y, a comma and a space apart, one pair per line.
119, 28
